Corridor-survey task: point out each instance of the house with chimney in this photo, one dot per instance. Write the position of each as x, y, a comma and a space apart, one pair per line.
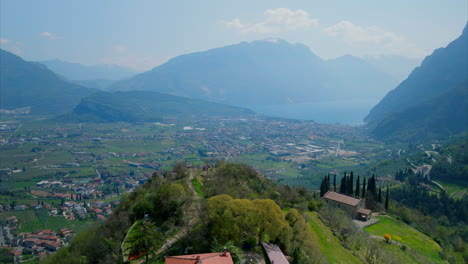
355, 207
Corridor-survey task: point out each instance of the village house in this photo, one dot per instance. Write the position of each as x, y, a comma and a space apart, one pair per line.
353, 206
208, 258
12, 220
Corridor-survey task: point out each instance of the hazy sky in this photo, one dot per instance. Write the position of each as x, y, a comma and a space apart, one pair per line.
142, 34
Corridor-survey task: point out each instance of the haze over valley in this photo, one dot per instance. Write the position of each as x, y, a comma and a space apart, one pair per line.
247, 132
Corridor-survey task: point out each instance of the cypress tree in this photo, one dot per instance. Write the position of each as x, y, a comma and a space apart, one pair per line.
343, 184
334, 182
328, 182
372, 187
380, 195
363, 195
351, 183
357, 187
322, 186
386, 201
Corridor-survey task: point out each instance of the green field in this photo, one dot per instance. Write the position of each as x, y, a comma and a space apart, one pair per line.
31, 220
407, 235
329, 244
456, 191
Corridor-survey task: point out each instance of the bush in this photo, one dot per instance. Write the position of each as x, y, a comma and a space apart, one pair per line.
387, 238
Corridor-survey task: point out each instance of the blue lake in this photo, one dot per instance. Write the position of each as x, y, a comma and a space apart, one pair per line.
341, 112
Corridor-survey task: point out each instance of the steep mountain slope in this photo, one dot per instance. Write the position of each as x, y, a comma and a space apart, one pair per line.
266, 72
24, 84
134, 106
437, 118
76, 71
440, 72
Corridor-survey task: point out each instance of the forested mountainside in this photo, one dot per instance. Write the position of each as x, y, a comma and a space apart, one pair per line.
420, 107
30, 84
147, 106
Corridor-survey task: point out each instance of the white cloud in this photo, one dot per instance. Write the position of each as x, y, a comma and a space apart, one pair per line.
374, 37
235, 23
48, 35
11, 46
277, 20
353, 34
120, 49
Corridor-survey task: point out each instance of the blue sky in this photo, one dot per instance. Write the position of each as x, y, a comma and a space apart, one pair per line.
142, 34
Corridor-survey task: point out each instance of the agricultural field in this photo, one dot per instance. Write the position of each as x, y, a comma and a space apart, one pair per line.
30, 220
408, 236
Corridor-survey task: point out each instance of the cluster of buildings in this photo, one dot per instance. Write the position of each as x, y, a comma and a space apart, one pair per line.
38, 243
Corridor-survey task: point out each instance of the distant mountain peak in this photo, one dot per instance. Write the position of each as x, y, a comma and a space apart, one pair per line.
77, 71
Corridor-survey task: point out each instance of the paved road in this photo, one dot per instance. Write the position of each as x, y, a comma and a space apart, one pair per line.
369, 222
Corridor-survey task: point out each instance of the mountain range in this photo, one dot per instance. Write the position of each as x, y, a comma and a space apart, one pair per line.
432, 102
265, 72
76, 71
30, 84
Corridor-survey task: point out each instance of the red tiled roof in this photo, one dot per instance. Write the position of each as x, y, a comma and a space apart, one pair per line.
338, 197
208, 258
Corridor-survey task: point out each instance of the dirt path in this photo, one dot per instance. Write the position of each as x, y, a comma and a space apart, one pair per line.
192, 213
369, 222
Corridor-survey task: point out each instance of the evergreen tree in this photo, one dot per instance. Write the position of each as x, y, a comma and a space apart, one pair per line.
386, 201
357, 193
350, 184
325, 185
363, 195
380, 195
334, 182
343, 184
371, 186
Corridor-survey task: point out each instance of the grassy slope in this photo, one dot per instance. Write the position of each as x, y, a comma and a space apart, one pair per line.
408, 236
329, 244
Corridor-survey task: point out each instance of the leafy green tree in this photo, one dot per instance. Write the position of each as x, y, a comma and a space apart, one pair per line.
143, 240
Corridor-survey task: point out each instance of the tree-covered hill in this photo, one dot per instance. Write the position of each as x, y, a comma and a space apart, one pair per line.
226, 205
145, 106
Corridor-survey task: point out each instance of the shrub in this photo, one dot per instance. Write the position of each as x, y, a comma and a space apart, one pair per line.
387, 238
